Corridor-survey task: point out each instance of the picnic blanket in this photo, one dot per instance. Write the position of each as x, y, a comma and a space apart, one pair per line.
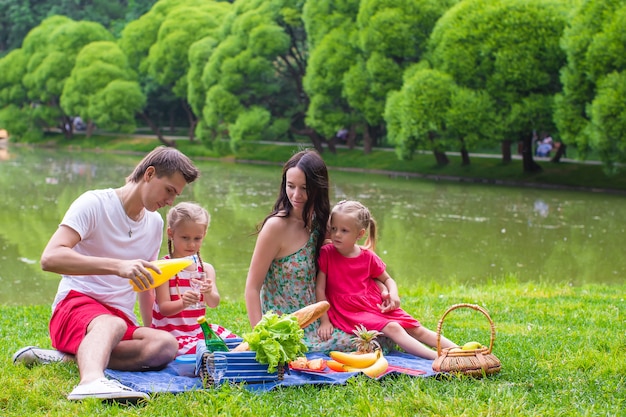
172, 380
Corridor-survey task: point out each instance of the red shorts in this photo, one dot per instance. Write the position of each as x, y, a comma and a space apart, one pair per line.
71, 317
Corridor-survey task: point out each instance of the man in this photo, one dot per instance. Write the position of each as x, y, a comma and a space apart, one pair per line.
106, 238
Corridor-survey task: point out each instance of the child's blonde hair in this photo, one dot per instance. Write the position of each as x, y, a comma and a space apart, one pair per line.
362, 217
186, 211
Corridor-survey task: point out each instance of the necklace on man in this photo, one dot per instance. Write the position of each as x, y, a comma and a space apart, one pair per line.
130, 229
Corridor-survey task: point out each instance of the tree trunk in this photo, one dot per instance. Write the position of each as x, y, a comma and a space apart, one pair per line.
91, 126
506, 151
331, 146
157, 131
527, 156
67, 127
172, 117
367, 140
193, 120
560, 152
465, 159
317, 140
441, 158
351, 142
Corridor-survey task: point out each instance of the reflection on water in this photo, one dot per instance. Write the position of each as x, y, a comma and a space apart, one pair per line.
427, 230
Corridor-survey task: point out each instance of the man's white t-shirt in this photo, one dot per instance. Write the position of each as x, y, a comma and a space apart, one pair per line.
100, 220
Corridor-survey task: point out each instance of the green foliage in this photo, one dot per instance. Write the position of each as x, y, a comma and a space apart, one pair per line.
432, 112
97, 65
608, 120
15, 120
224, 107
328, 111
50, 50
478, 43
416, 116
250, 125
392, 35
258, 62
358, 53
12, 68
470, 119
18, 17
199, 53
168, 58
595, 47
114, 106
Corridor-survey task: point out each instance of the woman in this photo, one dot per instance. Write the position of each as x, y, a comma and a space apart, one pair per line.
282, 271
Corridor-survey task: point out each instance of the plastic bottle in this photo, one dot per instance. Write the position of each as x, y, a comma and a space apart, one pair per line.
213, 342
168, 267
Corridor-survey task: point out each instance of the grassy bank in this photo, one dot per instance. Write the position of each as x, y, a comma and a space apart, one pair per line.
562, 350
586, 177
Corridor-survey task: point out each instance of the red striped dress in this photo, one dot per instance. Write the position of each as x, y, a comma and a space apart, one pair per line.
184, 325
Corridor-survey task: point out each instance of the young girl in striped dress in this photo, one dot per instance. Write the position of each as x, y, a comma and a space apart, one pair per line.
173, 309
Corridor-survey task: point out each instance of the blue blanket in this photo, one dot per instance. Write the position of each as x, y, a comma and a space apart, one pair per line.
172, 380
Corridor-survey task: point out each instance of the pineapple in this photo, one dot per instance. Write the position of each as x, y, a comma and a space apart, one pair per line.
365, 340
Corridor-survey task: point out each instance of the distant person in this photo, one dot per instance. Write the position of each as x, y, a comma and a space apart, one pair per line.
106, 239
545, 146
347, 280
175, 309
342, 134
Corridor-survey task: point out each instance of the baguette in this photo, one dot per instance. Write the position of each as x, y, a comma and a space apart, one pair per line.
305, 316
310, 313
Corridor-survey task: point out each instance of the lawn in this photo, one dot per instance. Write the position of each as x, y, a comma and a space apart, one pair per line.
562, 351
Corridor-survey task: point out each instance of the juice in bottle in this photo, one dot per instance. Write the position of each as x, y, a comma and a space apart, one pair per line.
169, 268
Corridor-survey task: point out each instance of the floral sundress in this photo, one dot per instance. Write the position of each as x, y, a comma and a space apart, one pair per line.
290, 285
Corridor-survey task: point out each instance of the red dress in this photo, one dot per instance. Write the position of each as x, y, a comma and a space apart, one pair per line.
184, 324
353, 294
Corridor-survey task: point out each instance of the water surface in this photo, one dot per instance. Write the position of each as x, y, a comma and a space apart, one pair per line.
428, 231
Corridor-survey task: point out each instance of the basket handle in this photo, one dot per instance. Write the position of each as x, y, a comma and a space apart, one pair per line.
474, 307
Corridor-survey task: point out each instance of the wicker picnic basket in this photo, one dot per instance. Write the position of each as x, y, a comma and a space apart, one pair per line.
475, 362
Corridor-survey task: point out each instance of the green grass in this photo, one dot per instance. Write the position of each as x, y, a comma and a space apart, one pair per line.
562, 351
481, 169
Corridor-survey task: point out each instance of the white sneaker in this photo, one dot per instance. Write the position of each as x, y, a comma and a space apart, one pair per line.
32, 355
106, 389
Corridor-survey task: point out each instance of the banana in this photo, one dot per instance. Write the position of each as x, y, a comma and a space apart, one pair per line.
362, 360
472, 346
373, 371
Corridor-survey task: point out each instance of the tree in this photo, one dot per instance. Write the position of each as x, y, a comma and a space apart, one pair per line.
168, 59
117, 103
510, 50
589, 112
432, 112
18, 17
328, 25
392, 35
379, 39
158, 46
12, 68
257, 69
50, 50
101, 69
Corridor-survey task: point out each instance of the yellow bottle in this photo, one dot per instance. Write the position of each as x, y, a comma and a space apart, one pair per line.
168, 267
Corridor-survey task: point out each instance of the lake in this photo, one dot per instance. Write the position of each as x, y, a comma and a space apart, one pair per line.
428, 231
